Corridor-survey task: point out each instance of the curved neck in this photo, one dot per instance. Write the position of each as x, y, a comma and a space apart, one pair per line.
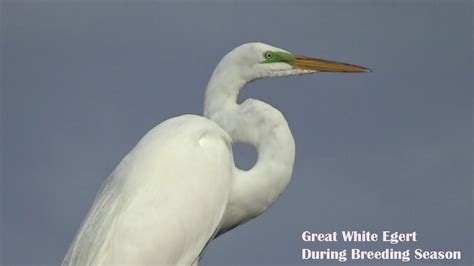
262, 126
222, 90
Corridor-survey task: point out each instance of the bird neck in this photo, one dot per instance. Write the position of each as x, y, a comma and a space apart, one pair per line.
222, 90
258, 124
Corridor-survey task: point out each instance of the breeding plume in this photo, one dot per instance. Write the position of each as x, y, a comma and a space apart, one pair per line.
179, 188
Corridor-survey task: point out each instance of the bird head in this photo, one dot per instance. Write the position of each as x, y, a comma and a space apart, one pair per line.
259, 60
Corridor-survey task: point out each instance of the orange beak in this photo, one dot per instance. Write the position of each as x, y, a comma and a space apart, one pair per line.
321, 65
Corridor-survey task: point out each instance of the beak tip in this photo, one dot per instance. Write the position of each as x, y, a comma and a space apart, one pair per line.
366, 70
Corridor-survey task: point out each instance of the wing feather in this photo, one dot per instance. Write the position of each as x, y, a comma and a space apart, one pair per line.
163, 202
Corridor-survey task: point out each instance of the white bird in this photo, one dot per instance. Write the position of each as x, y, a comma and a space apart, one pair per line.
179, 188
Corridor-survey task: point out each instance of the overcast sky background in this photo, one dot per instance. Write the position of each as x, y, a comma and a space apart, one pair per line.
83, 81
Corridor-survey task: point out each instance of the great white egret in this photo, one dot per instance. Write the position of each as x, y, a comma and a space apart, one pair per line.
179, 188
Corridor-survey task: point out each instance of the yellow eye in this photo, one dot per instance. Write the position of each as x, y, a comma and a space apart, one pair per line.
268, 55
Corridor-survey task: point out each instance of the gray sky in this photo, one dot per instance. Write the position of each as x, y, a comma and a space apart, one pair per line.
390, 150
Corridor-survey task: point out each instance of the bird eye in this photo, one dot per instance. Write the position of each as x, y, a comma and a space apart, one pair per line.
268, 55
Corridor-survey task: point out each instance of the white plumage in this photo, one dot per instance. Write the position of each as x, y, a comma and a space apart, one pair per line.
179, 188
151, 187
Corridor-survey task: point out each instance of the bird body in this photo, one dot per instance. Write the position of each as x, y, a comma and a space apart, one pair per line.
148, 193
179, 188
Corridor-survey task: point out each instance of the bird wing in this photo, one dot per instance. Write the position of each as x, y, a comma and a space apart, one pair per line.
163, 202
